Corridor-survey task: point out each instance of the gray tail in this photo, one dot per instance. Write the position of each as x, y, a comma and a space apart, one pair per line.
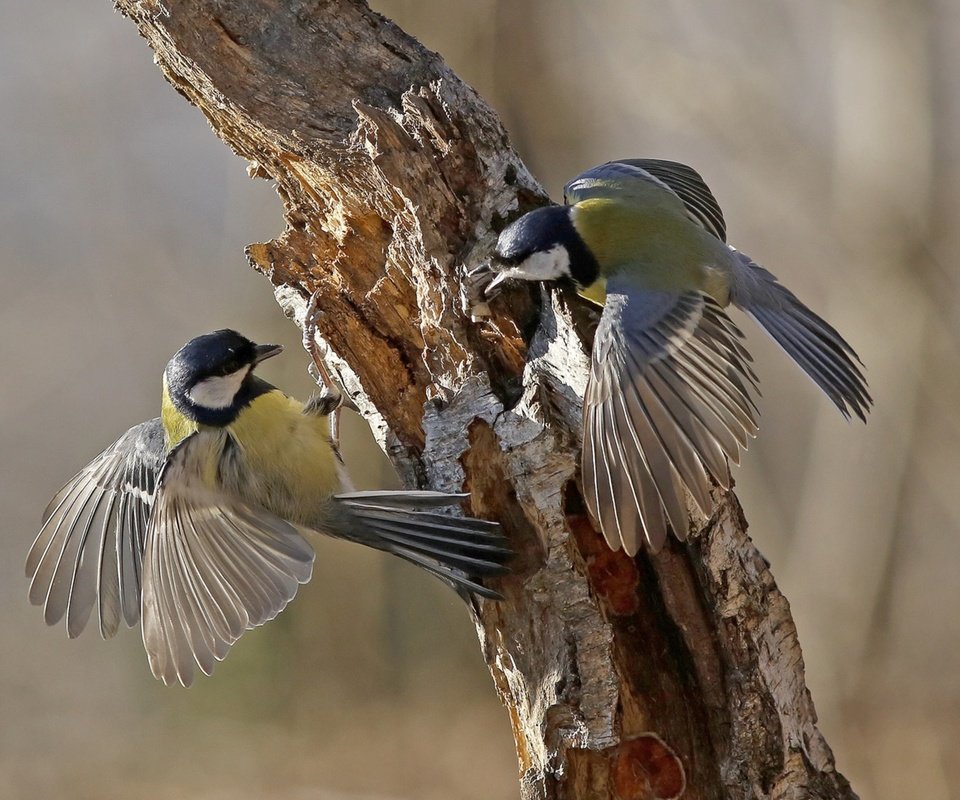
460, 551
809, 340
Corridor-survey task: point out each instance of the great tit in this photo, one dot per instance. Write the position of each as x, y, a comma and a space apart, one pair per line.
669, 392
196, 521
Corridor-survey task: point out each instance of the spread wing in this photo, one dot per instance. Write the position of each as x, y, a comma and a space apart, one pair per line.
213, 566
668, 401
620, 179
90, 547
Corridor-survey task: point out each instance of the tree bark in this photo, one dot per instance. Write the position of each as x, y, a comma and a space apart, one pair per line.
653, 677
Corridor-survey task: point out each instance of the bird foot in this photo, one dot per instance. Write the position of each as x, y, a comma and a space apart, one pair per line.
331, 399
323, 403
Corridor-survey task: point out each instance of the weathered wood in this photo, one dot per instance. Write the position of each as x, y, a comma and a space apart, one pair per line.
628, 678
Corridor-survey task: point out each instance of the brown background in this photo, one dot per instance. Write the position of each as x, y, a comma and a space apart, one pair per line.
829, 132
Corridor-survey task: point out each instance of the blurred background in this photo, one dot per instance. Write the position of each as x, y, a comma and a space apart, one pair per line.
829, 132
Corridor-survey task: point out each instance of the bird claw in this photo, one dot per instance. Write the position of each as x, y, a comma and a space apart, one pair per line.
323, 403
331, 399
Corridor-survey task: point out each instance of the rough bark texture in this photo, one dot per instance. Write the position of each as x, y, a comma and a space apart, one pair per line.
630, 678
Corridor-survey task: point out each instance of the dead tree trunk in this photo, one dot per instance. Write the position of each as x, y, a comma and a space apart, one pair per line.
630, 678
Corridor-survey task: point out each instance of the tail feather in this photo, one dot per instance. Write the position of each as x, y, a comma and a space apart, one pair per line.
463, 584
809, 340
441, 523
459, 551
450, 542
475, 565
406, 499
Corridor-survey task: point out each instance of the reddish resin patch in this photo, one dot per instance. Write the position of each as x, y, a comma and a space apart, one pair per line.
613, 575
645, 768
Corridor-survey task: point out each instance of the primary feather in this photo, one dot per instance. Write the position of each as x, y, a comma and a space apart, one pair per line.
88, 552
667, 402
214, 564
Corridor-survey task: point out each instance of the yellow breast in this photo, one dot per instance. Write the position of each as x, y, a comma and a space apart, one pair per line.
286, 456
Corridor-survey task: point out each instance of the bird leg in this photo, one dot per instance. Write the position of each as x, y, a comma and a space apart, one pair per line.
331, 400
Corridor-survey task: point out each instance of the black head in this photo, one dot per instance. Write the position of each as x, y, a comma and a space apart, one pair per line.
210, 378
544, 245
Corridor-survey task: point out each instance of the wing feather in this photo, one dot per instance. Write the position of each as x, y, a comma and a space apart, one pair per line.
669, 400
648, 450
213, 566
620, 177
620, 484
608, 503
89, 545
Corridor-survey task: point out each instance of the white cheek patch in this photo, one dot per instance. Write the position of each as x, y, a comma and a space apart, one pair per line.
217, 391
547, 265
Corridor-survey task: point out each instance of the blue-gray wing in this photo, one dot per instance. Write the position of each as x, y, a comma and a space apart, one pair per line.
90, 546
632, 176
668, 401
213, 565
